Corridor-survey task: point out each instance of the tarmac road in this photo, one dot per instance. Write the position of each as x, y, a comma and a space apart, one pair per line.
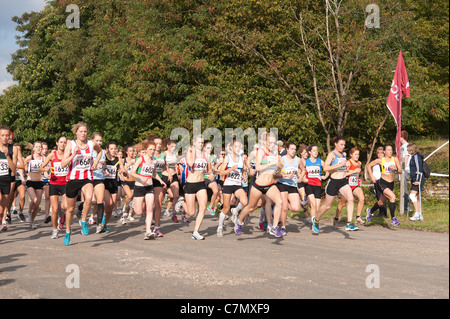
373, 263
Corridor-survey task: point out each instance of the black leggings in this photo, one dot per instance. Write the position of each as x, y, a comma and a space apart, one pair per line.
391, 206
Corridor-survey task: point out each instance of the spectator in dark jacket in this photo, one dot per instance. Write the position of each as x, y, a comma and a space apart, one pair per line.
417, 179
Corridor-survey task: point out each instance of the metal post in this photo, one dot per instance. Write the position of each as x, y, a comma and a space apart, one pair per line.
420, 193
402, 193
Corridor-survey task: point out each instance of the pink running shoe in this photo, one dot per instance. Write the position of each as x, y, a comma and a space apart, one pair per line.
185, 219
175, 218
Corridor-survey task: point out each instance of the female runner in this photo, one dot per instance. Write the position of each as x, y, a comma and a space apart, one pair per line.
158, 189
144, 172
170, 176
288, 184
354, 181
389, 166
266, 164
19, 187
57, 185
336, 165
197, 164
233, 169
98, 183
8, 160
128, 182
78, 156
113, 167
34, 185
313, 168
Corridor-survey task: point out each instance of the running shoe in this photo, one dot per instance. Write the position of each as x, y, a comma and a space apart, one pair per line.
184, 219
335, 221
351, 227
62, 221
91, 221
369, 215
123, 220
315, 225
33, 226
158, 233
283, 231
211, 211
237, 227
130, 218
246, 219
21, 217
262, 226
8, 218
234, 215
166, 212
149, 235
219, 232
360, 220
4, 227
105, 229
84, 228
275, 231
48, 219
175, 219
394, 221
79, 210
99, 229
197, 236
178, 208
54, 234
66, 240
417, 216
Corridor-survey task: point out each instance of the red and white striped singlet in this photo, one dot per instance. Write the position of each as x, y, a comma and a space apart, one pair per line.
80, 166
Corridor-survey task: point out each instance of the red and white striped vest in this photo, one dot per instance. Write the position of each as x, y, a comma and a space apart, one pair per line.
80, 166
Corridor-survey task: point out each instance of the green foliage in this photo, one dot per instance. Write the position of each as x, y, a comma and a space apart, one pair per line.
146, 67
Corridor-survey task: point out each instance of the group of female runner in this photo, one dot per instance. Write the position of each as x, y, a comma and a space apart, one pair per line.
79, 169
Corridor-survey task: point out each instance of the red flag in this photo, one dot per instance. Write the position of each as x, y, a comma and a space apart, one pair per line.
399, 89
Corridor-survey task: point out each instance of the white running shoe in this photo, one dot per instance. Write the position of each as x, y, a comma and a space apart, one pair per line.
234, 215
417, 216
149, 235
54, 234
219, 232
197, 236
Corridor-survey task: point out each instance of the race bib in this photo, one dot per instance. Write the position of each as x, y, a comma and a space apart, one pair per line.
200, 165
289, 170
82, 162
159, 166
234, 178
353, 180
147, 170
34, 166
342, 168
4, 167
112, 169
390, 168
313, 171
59, 171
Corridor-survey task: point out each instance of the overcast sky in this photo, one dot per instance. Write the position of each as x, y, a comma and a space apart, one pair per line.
8, 9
